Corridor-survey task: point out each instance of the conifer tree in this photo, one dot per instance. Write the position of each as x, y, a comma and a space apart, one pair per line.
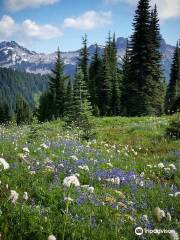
125, 80
82, 109
158, 88
105, 91
45, 110
84, 60
173, 91
69, 111
116, 81
23, 112
142, 96
5, 114
95, 70
57, 87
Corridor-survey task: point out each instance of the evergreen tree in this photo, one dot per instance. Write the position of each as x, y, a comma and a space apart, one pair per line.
45, 107
125, 80
5, 114
84, 60
57, 87
82, 110
173, 91
69, 101
143, 96
23, 112
158, 88
116, 81
105, 91
95, 70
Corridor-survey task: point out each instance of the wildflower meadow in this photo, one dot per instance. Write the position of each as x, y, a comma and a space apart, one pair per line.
54, 185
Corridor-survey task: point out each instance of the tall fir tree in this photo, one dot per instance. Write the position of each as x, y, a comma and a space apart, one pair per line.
105, 90
45, 109
5, 113
95, 70
158, 87
173, 90
125, 80
23, 112
116, 80
69, 101
142, 96
57, 87
83, 60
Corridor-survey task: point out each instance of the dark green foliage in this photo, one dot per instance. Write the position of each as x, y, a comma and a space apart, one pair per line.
57, 87
144, 94
13, 83
125, 81
5, 114
110, 81
95, 74
173, 131
45, 107
80, 112
22, 112
173, 91
84, 60
68, 105
116, 81
176, 106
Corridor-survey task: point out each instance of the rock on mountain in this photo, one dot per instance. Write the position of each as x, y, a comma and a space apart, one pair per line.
14, 56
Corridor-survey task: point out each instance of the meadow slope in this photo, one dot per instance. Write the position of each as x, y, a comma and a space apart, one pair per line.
117, 180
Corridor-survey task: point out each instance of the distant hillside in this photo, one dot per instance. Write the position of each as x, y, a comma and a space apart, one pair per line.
12, 55
13, 83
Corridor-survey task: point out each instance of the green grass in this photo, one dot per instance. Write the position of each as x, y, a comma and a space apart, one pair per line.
113, 210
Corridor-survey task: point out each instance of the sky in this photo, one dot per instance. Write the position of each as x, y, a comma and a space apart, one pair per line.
43, 25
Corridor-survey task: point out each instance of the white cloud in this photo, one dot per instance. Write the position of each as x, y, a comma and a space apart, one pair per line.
17, 5
89, 20
167, 8
32, 30
7, 27
28, 30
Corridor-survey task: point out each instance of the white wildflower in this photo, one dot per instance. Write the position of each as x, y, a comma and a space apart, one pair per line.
172, 166
145, 218
88, 188
71, 180
26, 149
141, 183
25, 196
68, 199
167, 169
4, 164
74, 157
168, 216
117, 180
160, 165
177, 194
14, 196
142, 174
173, 235
150, 166
84, 167
51, 237
45, 146
109, 164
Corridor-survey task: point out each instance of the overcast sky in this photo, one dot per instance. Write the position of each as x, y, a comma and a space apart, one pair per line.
42, 25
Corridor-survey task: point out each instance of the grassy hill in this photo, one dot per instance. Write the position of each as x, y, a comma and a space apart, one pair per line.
127, 171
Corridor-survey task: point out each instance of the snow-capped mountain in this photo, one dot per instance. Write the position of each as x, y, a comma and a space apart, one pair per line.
12, 55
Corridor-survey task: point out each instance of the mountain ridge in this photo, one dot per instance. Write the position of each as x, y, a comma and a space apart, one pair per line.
15, 56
